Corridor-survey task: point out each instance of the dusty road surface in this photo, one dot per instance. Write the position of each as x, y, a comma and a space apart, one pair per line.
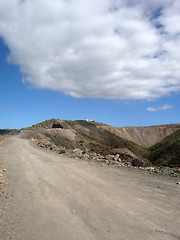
52, 197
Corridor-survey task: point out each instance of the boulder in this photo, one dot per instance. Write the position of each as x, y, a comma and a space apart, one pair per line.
124, 152
137, 162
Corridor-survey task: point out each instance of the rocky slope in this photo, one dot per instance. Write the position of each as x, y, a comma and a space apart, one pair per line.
83, 135
109, 144
144, 136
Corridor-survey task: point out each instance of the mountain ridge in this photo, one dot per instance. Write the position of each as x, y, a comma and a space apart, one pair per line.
145, 136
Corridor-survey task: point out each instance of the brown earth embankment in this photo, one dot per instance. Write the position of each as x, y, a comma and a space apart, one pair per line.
144, 136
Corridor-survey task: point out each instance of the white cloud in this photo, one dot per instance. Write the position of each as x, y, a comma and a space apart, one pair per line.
155, 109
95, 48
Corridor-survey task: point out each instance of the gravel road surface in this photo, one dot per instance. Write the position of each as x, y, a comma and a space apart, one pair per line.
47, 196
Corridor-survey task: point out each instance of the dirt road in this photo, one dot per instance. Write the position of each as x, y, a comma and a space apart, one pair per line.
52, 197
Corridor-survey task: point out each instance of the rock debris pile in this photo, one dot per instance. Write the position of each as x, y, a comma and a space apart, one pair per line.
86, 154
110, 159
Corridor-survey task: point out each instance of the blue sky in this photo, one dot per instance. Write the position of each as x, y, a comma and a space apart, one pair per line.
78, 72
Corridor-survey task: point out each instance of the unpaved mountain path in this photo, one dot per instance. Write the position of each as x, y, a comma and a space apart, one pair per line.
52, 197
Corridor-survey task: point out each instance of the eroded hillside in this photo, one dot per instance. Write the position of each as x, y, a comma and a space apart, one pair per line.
82, 134
129, 142
144, 136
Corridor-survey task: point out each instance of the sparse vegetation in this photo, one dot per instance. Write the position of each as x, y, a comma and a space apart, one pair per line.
167, 152
98, 139
73, 123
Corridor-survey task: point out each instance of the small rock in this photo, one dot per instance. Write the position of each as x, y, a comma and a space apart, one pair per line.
77, 151
53, 147
93, 154
116, 157
85, 151
85, 155
151, 169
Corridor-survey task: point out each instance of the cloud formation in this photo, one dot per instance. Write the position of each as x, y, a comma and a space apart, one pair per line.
155, 109
95, 48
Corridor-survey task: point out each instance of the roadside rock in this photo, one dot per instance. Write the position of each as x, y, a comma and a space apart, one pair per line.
120, 159
92, 154
77, 151
61, 150
151, 169
86, 151
116, 157
110, 157
124, 151
138, 163
53, 147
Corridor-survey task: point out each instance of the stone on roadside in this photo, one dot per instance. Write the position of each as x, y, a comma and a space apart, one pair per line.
93, 154
151, 169
138, 162
116, 157
109, 157
53, 147
85, 151
77, 151
62, 151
